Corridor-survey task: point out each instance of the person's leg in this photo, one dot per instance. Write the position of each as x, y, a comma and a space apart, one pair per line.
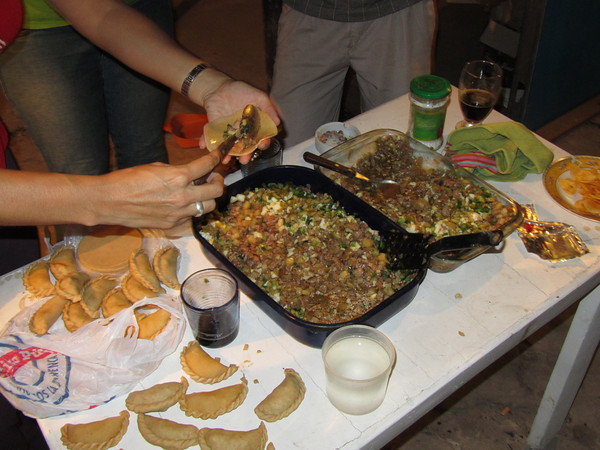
310, 66
53, 81
391, 51
137, 106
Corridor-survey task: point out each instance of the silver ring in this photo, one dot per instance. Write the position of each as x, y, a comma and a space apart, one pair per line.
199, 209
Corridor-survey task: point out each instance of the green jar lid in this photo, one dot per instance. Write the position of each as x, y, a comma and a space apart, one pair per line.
430, 87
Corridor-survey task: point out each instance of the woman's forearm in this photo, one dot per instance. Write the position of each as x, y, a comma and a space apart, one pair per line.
32, 198
139, 43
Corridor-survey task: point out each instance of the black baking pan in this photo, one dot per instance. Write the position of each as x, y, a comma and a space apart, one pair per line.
309, 333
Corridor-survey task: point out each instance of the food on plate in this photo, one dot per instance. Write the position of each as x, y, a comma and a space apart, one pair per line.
107, 249
201, 367
166, 433
142, 271
95, 435
157, 398
332, 138
220, 439
151, 324
71, 286
134, 290
165, 263
36, 279
63, 262
212, 404
584, 182
74, 316
94, 291
284, 399
434, 200
304, 250
114, 301
249, 134
47, 314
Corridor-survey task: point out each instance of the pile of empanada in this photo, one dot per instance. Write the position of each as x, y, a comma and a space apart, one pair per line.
80, 296
165, 433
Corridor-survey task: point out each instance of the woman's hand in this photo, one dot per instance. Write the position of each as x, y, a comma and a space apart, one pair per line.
233, 96
157, 195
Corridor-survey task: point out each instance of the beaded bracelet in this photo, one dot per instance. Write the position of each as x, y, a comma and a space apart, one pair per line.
185, 87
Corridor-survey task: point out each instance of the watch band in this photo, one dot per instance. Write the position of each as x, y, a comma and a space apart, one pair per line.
185, 87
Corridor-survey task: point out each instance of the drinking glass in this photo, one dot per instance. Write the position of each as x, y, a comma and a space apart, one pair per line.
479, 87
212, 304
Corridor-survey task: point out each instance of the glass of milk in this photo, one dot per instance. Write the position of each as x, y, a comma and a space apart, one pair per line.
358, 362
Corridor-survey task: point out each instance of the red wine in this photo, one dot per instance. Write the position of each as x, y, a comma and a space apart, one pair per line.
476, 104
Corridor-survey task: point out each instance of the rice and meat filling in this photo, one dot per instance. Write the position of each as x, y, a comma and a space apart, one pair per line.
435, 200
320, 263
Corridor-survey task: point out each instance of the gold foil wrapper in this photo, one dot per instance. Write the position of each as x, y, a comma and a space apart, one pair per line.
552, 241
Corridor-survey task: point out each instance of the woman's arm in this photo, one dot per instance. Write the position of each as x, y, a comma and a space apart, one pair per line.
154, 195
136, 41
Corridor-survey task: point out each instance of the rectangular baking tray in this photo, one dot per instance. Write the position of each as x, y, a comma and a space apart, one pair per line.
309, 333
351, 151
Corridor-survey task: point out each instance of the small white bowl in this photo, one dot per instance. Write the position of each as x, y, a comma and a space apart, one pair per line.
333, 134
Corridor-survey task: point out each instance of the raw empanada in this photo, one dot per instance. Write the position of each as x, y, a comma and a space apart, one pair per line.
95, 435
135, 291
94, 291
63, 262
140, 268
212, 404
47, 314
71, 286
158, 398
201, 367
218, 438
36, 279
151, 325
74, 316
166, 262
166, 433
284, 399
114, 301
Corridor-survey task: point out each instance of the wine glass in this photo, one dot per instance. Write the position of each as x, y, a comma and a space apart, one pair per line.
479, 87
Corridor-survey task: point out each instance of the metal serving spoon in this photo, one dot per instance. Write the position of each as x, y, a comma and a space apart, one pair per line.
388, 188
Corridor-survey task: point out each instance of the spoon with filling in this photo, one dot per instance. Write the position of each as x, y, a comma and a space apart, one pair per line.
388, 188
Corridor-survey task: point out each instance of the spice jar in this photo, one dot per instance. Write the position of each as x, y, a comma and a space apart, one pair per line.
429, 97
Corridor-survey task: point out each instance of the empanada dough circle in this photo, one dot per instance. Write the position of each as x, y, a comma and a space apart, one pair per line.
214, 131
220, 439
47, 314
63, 262
201, 367
165, 263
166, 433
71, 286
284, 399
36, 279
107, 249
212, 404
140, 268
158, 398
95, 435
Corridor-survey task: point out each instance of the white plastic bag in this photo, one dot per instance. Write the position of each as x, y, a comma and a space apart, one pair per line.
59, 373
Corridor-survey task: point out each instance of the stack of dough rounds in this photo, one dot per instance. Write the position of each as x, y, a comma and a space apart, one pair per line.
107, 250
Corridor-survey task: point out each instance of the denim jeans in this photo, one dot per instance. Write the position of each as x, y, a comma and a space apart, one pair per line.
72, 97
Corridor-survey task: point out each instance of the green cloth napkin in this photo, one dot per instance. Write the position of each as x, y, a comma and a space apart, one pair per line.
515, 150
